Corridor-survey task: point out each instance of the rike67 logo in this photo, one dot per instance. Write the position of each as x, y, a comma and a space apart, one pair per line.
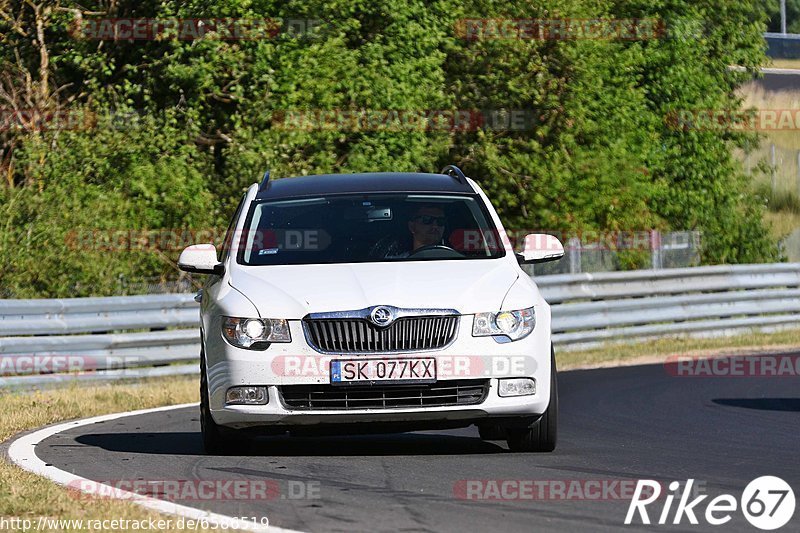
767, 503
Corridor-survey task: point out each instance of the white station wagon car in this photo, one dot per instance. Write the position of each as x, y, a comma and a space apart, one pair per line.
372, 303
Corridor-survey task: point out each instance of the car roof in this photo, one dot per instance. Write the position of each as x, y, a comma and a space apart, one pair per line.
370, 182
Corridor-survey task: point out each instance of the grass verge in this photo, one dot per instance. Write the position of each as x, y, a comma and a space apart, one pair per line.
784, 63
657, 351
26, 495
781, 224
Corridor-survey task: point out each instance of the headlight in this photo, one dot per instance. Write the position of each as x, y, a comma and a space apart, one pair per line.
255, 333
513, 324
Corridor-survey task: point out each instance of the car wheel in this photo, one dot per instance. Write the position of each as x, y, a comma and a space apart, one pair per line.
492, 432
541, 436
217, 440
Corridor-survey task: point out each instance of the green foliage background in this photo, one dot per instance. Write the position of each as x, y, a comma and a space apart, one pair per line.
185, 126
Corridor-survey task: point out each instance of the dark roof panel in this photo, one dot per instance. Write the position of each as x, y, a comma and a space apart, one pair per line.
362, 183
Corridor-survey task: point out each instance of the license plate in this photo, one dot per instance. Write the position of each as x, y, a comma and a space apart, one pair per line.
406, 370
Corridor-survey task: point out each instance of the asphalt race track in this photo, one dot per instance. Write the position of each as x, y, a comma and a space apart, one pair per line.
619, 424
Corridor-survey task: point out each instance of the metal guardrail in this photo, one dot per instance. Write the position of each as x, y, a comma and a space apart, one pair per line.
782, 45
589, 309
140, 336
98, 338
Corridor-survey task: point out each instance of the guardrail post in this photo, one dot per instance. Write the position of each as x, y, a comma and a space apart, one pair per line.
655, 249
574, 255
783, 17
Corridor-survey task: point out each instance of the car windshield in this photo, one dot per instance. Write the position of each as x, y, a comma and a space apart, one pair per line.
368, 228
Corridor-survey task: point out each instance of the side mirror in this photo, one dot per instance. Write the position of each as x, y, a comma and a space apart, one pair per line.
540, 248
200, 259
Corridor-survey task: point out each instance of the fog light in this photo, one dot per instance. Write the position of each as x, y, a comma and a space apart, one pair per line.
246, 396
517, 387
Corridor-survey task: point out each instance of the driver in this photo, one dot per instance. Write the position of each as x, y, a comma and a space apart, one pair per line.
426, 227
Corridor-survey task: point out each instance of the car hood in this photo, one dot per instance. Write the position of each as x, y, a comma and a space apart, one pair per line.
293, 291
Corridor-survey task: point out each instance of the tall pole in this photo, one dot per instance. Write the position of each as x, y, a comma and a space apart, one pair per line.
783, 17
774, 168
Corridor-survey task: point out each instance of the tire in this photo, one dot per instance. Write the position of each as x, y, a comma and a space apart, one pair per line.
541, 436
217, 440
492, 432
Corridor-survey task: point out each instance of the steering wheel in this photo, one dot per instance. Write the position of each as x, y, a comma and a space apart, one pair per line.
434, 250
383, 247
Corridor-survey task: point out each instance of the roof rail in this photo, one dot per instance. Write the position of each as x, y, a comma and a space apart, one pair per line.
264, 182
454, 172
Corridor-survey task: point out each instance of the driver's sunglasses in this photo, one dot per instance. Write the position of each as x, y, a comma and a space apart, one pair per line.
428, 220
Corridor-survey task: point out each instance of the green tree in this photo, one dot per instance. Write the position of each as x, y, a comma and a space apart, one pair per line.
175, 129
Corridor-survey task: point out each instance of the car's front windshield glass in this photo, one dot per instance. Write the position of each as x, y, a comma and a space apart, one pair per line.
368, 228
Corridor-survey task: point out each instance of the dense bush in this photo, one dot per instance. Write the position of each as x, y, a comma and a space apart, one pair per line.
182, 127
72, 235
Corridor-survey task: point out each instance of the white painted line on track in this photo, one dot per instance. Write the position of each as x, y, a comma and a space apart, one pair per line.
23, 453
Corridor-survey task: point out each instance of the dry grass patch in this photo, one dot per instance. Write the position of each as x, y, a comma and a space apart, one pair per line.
784, 63
20, 411
27, 495
782, 224
786, 141
659, 350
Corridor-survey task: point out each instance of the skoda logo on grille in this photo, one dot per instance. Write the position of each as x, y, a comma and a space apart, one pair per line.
381, 316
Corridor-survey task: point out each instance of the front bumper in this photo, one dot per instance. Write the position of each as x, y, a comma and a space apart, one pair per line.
275, 413
298, 364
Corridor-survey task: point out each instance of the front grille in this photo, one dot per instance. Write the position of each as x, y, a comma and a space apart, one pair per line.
355, 335
443, 393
